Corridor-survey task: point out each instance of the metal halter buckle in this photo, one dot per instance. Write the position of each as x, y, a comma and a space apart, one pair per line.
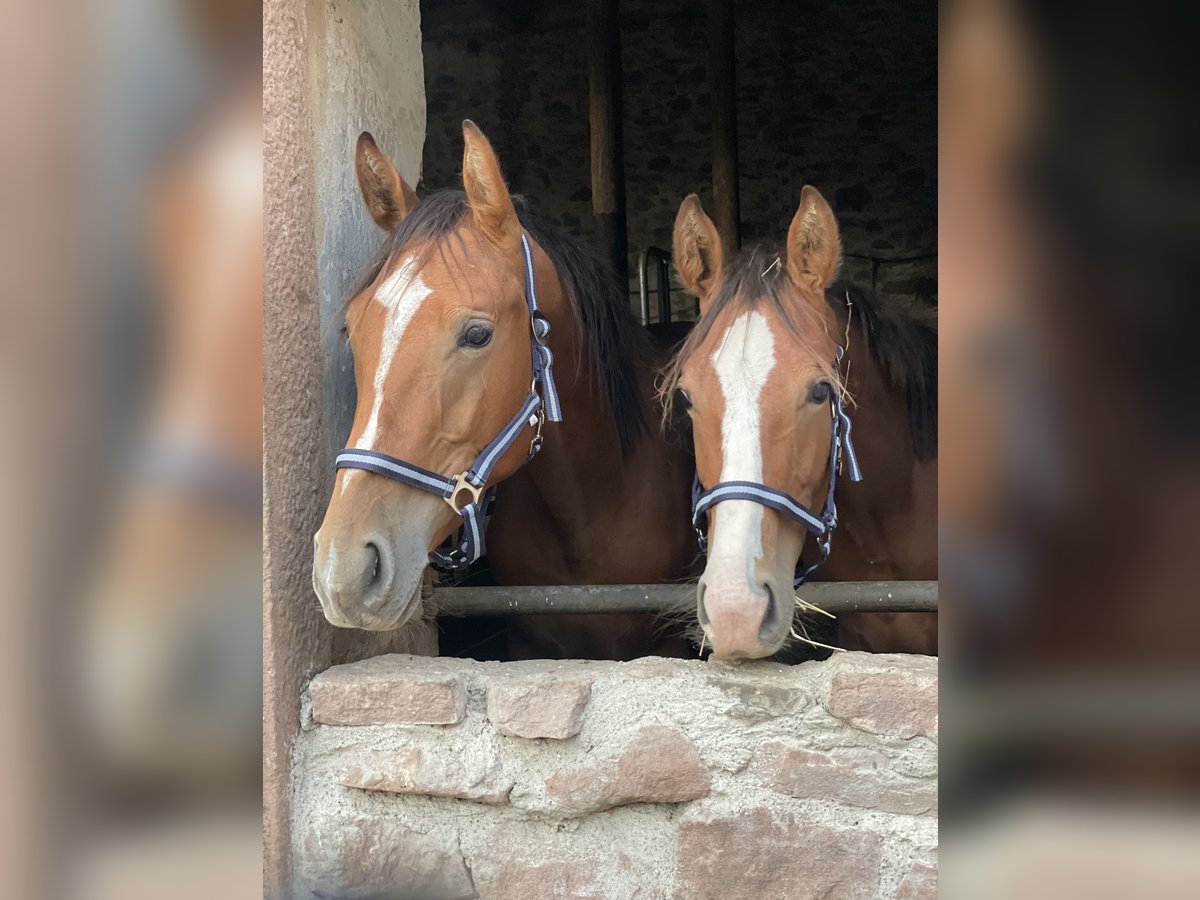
536, 444
462, 484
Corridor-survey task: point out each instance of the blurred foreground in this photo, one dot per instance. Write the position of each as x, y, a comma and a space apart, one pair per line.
1069, 226
132, 244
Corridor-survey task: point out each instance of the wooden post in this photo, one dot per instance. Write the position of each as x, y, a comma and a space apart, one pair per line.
726, 204
608, 153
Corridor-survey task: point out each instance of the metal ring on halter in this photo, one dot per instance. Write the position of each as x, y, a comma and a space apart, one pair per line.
461, 483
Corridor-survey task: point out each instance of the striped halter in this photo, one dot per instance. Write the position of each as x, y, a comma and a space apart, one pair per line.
820, 525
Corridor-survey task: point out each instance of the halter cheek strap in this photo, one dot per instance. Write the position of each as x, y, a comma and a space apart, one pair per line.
470, 485
821, 525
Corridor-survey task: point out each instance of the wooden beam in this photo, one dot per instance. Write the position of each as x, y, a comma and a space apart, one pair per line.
723, 87
831, 596
605, 106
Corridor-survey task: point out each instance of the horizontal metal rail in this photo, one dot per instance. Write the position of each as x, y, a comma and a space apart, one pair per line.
831, 596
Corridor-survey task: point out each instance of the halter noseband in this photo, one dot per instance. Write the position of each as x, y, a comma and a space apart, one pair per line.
820, 526
536, 409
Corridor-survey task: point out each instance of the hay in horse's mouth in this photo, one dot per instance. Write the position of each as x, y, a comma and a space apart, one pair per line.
805, 606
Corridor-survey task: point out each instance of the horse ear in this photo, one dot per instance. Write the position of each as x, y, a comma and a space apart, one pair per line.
698, 252
388, 197
814, 251
491, 207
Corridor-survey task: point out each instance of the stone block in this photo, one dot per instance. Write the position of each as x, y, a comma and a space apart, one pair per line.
919, 883
659, 765
897, 698
857, 776
538, 707
413, 770
750, 855
351, 856
390, 690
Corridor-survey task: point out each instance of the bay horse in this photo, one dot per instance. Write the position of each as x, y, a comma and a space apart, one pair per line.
441, 325
760, 374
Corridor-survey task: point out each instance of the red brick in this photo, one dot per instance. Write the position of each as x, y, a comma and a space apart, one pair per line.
898, 699
749, 855
352, 855
538, 707
414, 771
660, 765
853, 775
389, 690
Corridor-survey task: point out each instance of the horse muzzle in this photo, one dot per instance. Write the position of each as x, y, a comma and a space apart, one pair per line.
365, 583
741, 622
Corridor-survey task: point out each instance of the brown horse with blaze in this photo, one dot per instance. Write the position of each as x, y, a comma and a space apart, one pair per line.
758, 375
440, 331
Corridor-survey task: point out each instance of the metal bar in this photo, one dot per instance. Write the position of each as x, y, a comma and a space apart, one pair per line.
643, 286
664, 287
663, 262
832, 596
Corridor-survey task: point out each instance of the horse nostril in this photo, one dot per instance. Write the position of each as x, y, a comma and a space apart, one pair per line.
771, 618
377, 574
700, 612
373, 561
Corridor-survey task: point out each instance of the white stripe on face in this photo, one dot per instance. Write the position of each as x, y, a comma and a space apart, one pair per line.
743, 363
401, 295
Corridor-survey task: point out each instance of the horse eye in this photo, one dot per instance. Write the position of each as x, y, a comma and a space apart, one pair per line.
475, 335
819, 392
685, 397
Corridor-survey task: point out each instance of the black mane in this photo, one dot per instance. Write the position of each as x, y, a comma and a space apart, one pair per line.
617, 343
901, 335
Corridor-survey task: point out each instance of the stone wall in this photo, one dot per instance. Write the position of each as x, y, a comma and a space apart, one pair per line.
446, 778
842, 96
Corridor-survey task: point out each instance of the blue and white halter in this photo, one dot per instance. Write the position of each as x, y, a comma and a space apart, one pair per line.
821, 525
537, 408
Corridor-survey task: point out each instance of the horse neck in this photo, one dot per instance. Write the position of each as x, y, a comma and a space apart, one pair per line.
883, 442
582, 484
583, 464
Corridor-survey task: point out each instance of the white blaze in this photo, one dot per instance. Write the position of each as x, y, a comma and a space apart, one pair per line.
401, 295
743, 363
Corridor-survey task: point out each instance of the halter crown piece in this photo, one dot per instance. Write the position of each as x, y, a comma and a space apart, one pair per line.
820, 526
537, 408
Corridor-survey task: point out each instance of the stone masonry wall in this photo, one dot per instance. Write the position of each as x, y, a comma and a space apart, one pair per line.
842, 96
445, 778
